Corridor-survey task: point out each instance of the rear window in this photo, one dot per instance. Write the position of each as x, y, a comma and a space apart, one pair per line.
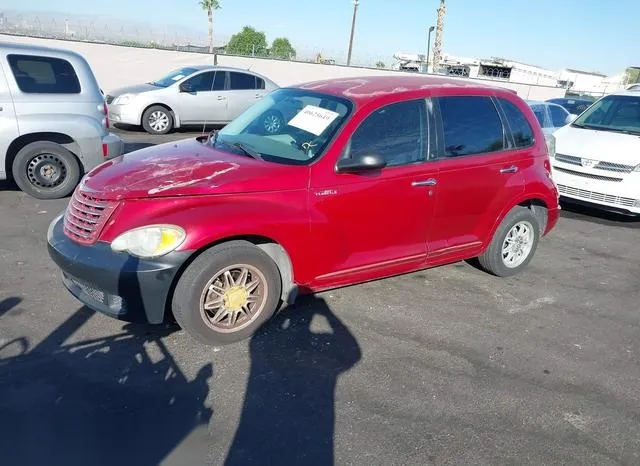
471, 125
520, 127
44, 75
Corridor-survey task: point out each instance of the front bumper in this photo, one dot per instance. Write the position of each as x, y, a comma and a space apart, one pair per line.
116, 284
591, 189
125, 114
114, 146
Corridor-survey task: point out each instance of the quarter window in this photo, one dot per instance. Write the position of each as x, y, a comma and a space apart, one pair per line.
44, 75
520, 127
471, 125
396, 132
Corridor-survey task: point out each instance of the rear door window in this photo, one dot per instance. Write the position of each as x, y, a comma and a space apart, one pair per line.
520, 128
471, 125
43, 75
242, 81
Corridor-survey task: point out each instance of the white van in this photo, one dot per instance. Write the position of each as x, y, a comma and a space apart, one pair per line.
597, 156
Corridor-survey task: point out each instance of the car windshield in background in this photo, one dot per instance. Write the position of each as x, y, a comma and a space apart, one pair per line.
174, 76
289, 126
617, 113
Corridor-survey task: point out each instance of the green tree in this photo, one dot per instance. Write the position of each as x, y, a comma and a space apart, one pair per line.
248, 42
282, 48
380, 64
209, 6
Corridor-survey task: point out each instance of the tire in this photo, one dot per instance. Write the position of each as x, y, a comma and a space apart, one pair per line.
492, 259
272, 122
46, 170
191, 293
159, 114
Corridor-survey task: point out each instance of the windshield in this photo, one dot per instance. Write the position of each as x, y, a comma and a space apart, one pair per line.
290, 126
173, 77
617, 113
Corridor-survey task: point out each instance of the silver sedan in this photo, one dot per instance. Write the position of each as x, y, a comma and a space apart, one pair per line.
192, 95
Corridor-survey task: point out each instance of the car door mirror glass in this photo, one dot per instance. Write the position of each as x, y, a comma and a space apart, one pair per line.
364, 162
186, 87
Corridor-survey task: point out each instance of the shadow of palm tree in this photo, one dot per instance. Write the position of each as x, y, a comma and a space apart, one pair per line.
288, 413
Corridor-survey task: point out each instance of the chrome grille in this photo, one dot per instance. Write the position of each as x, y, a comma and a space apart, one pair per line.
587, 175
594, 196
609, 166
85, 217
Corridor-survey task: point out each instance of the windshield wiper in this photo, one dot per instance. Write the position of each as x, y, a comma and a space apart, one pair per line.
248, 151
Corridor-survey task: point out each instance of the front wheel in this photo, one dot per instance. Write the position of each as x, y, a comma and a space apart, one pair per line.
157, 120
513, 245
227, 293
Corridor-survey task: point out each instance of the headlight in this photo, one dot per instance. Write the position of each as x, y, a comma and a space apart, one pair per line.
637, 169
123, 99
150, 241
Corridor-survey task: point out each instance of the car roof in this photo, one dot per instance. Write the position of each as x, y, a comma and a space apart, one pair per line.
14, 47
227, 68
365, 88
631, 92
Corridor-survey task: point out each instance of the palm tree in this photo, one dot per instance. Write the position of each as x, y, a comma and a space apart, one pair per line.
209, 6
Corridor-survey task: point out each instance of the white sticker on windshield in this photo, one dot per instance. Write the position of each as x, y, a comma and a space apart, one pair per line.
178, 77
313, 119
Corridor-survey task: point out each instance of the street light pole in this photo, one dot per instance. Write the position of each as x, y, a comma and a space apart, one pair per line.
431, 28
353, 27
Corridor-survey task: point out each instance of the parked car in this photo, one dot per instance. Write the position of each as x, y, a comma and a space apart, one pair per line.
550, 116
597, 159
188, 96
53, 125
571, 105
373, 177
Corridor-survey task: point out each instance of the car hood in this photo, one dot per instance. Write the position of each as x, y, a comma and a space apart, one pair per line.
135, 89
188, 168
605, 146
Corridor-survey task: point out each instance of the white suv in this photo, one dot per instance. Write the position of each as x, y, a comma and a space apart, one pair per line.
597, 157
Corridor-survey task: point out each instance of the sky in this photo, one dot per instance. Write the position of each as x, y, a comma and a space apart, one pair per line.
550, 33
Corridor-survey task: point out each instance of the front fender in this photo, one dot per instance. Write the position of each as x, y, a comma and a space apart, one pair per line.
278, 217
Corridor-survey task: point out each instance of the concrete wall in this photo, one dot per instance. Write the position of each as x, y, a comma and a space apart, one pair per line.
117, 66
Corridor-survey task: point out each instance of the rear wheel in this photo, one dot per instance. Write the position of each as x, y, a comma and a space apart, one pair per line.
157, 120
513, 245
46, 170
227, 293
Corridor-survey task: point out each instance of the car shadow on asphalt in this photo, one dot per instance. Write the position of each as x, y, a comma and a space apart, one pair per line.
598, 216
289, 408
7, 185
120, 399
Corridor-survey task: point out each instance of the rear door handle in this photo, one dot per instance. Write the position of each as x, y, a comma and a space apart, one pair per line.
511, 169
429, 182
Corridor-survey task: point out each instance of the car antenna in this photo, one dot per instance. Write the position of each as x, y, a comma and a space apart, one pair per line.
204, 125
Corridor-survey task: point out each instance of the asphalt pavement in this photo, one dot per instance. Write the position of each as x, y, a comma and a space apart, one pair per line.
444, 366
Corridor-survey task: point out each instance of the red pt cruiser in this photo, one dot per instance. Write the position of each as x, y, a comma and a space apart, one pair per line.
316, 186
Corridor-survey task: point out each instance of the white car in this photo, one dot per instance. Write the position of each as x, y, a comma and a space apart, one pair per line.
596, 158
550, 116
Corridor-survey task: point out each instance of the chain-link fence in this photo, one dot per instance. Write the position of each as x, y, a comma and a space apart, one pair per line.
136, 34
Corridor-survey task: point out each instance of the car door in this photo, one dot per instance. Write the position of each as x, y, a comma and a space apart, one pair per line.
478, 173
202, 98
8, 122
376, 221
242, 92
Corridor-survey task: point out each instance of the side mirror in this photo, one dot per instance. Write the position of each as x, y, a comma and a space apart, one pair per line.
361, 163
186, 87
570, 118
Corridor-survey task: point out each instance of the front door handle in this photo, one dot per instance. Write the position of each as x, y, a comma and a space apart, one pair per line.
220, 97
429, 182
511, 169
